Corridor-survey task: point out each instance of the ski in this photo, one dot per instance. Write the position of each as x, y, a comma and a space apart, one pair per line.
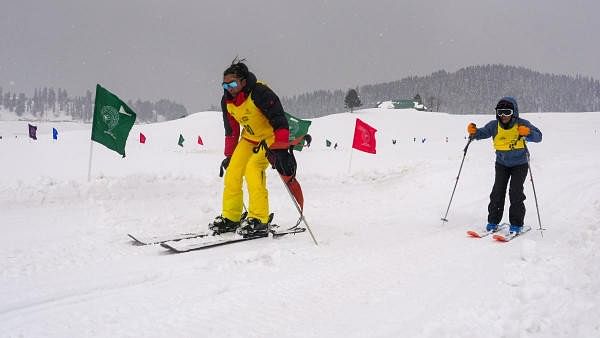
276, 232
149, 240
483, 232
507, 237
202, 243
280, 233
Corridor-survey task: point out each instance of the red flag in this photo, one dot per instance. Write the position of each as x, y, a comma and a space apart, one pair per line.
200, 140
364, 137
142, 138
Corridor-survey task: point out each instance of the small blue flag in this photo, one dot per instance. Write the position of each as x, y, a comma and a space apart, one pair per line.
54, 134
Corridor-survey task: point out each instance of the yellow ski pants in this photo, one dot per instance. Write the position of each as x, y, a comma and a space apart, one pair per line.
245, 163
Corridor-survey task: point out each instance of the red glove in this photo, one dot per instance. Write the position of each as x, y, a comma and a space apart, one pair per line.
232, 139
230, 144
523, 130
282, 139
472, 129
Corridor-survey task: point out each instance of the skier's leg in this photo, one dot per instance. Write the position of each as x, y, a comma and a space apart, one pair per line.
516, 212
257, 186
498, 194
233, 198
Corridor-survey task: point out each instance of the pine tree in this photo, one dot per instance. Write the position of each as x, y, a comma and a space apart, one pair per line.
62, 99
6, 101
20, 104
418, 99
38, 106
52, 99
87, 105
352, 100
13, 102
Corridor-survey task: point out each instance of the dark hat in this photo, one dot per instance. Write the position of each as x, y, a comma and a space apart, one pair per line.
505, 104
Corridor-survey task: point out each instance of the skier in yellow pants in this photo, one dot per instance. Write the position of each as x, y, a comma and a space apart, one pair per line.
257, 109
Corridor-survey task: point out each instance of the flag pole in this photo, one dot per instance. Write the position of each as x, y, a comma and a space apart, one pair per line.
90, 162
350, 162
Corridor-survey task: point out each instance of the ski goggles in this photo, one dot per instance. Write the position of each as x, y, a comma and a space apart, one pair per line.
504, 112
230, 85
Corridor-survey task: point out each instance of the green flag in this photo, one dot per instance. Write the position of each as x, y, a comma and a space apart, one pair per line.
298, 128
181, 139
112, 122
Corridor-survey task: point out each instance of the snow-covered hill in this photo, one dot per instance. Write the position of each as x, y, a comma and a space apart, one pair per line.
386, 266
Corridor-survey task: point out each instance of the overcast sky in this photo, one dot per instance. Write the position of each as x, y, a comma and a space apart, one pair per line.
153, 49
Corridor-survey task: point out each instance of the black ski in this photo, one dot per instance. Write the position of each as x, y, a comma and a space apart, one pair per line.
195, 244
293, 230
217, 240
149, 240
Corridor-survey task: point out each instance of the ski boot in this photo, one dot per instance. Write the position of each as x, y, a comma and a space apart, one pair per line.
253, 227
515, 228
221, 225
491, 227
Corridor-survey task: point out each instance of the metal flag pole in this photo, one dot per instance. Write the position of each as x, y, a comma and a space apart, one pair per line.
90, 162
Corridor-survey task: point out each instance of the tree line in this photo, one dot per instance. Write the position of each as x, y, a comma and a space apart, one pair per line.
470, 90
50, 103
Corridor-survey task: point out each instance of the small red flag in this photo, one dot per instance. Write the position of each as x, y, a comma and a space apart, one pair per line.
364, 137
142, 138
200, 140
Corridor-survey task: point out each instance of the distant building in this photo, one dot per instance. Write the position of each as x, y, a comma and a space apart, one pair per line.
402, 104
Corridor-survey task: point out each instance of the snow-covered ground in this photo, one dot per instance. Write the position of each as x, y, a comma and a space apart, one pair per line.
385, 266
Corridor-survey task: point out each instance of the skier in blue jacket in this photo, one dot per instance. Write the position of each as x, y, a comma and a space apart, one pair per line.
509, 133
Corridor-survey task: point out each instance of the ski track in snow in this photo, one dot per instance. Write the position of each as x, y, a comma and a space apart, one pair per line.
386, 266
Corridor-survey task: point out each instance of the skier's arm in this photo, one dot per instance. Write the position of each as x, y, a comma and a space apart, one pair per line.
232, 130
268, 102
535, 135
487, 131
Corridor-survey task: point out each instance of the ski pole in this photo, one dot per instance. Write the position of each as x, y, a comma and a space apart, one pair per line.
263, 145
302, 218
444, 219
534, 193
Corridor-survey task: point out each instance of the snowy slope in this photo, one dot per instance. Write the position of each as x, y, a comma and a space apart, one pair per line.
385, 266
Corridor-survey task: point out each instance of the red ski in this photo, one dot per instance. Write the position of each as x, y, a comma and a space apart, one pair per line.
484, 232
507, 237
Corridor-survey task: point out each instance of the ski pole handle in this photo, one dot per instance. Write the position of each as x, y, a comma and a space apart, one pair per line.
471, 138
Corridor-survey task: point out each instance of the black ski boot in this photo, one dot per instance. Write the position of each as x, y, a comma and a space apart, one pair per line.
253, 227
221, 225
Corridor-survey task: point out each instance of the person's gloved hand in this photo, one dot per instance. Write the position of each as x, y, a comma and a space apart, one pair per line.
523, 130
307, 139
472, 129
282, 161
279, 154
224, 165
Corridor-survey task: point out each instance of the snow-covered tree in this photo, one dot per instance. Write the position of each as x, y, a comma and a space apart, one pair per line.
352, 100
